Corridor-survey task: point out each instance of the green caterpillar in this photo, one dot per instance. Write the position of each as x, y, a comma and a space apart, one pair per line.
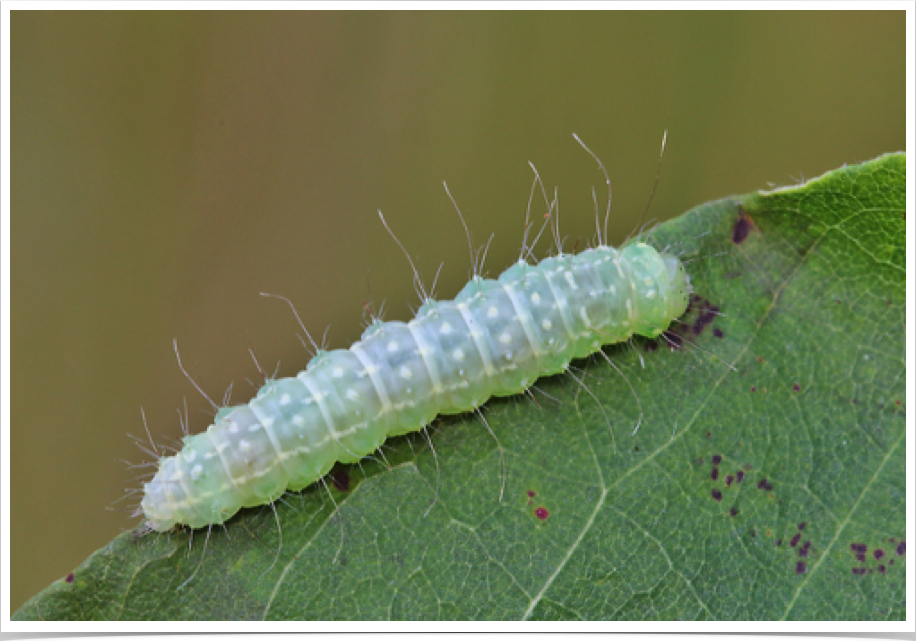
495, 339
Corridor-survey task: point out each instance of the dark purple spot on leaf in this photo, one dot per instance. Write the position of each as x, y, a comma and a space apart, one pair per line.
801, 526
801, 567
743, 227
733, 511
858, 547
882, 569
728, 480
778, 542
531, 494
542, 513
717, 333
714, 475
795, 540
716, 459
717, 495
803, 550
674, 340
706, 315
740, 474
796, 388
763, 484
341, 480
860, 556
858, 571
901, 549
878, 554
753, 533
69, 578
753, 388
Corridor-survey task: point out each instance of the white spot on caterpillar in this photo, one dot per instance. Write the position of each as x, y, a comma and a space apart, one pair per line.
352, 394
197, 471
505, 338
458, 355
405, 372
244, 446
446, 329
338, 372
492, 312
285, 399
536, 298
546, 324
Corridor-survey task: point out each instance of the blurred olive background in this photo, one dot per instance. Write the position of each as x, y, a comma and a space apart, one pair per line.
169, 166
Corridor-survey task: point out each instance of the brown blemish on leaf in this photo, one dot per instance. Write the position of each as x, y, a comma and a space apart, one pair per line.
341, 480
743, 226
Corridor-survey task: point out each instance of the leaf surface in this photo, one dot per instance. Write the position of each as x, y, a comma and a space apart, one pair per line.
766, 480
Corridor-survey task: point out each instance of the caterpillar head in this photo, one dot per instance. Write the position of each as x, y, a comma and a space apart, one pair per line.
679, 288
661, 285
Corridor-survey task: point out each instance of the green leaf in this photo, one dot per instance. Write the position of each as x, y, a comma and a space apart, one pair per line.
770, 454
